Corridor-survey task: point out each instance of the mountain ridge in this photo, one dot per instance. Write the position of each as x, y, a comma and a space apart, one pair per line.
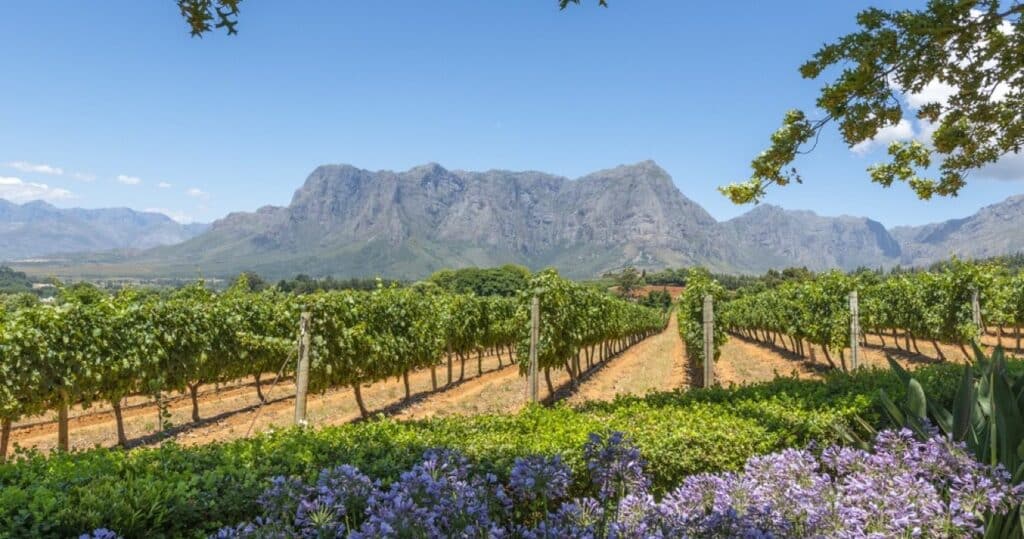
38, 228
348, 221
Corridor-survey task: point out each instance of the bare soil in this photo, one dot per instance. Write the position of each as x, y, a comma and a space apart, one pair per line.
235, 411
657, 363
746, 361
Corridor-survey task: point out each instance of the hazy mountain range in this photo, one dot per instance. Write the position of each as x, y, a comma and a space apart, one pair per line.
347, 221
39, 229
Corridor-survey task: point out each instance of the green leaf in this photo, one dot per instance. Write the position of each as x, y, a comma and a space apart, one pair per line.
1009, 423
901, 373
890, 407
964, 405
917, 403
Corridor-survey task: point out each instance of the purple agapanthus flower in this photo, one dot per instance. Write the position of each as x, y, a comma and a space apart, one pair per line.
902, 487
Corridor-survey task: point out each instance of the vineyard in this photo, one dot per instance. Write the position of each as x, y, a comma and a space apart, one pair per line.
97, 348
961, 304
91, 348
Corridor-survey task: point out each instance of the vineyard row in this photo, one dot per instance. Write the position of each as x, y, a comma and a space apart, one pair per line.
933, 307
94, 347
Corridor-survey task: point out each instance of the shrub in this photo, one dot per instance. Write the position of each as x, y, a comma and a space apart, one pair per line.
172, 491
900, 488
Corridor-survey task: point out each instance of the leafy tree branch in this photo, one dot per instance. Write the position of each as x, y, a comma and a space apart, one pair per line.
972, 48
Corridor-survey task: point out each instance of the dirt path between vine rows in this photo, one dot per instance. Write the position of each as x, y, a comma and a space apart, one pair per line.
656, 363
744, 360
228, 412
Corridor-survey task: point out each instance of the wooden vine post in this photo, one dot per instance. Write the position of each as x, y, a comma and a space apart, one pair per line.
976, 311
302, 372
532, 386
854, 331
709, 340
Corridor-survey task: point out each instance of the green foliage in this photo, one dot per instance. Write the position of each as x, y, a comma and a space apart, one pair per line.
574, 316
14, 282
667, 276
200, 14
770, 279
507, 281
304, 284
700, 283
973, 47
815, 310
13, 302
250, 282
172, 491
92, 346
987, 415
657, 299
628, 281
562, 4
924, 305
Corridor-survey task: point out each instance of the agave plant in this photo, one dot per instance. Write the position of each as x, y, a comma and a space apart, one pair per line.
987, 416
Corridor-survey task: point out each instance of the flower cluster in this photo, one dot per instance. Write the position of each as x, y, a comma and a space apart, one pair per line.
902, 488
615, 466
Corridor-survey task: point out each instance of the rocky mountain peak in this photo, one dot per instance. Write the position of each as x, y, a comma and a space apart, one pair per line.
348, 221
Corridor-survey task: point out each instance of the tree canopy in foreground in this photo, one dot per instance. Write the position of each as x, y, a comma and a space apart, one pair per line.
204, 16
956, 65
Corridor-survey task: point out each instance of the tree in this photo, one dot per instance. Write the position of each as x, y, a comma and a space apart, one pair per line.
629, 281
507, 280
970, 50
203, 16
250, 282
14, 282
199, 14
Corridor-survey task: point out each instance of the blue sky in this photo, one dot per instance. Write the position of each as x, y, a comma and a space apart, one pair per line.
134, 112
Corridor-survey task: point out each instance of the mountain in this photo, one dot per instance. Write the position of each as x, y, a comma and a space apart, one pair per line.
37, 229
347, 221
772, 237
995, 230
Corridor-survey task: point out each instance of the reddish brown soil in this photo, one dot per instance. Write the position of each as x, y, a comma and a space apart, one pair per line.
235, 411
657, 363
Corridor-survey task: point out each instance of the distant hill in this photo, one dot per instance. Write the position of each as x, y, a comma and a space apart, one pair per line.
38, 229
346, 221
995, 230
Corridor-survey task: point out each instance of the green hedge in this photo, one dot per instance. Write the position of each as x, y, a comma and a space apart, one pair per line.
172, 491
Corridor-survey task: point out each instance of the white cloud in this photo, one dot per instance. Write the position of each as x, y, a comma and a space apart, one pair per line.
178, 216
195, 192
901, 131
25, 166
16, 190
933, 92
84, 176
163, 185
129, 180
1009, 167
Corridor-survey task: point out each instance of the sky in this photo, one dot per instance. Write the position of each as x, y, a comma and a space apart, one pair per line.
112, 103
